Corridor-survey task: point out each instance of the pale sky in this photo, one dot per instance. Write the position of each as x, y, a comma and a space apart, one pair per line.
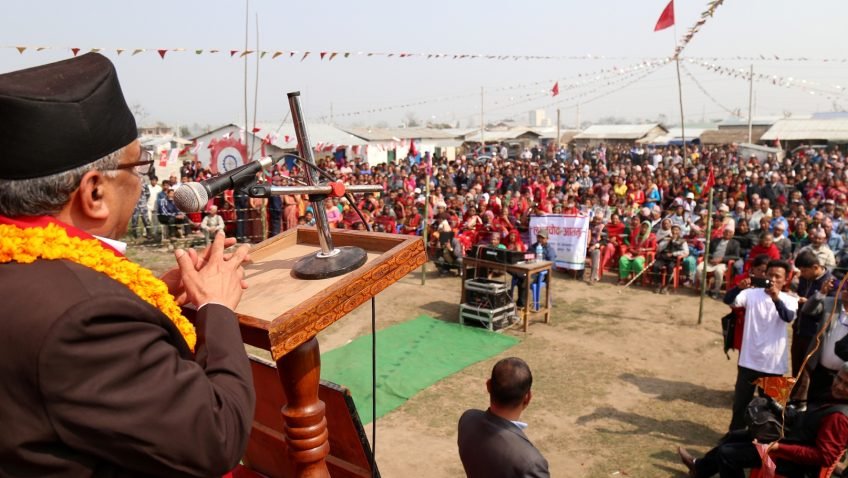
185, 88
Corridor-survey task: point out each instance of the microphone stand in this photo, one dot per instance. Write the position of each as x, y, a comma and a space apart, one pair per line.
330, 261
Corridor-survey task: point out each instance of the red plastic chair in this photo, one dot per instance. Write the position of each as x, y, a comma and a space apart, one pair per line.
675, 274
823, 473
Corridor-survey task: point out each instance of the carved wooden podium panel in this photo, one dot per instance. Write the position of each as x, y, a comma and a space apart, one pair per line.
283, 314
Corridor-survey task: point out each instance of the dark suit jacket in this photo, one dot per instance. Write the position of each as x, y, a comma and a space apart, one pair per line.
819, 305
96, 382
730, 253
492, 447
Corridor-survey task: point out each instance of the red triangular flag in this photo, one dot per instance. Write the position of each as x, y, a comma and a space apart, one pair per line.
323, 54
233, 52
555, 89
709, 184
666, 17
256, 130
162, 53
75, 50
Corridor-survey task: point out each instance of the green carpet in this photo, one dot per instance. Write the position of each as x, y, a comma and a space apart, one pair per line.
410, 357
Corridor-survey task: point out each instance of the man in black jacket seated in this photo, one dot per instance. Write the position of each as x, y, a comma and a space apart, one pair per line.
815, 439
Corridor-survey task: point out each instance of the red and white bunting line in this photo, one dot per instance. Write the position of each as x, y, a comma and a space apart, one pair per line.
712, 5
769, 58
811, 87
320, 55
582, 79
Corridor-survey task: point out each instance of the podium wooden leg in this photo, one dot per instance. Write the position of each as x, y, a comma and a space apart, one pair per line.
306, 425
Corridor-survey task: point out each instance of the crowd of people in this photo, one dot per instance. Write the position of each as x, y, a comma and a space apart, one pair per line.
160, 362
779, 224
649, 205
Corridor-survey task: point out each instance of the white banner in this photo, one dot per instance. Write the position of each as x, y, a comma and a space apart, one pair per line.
568, 234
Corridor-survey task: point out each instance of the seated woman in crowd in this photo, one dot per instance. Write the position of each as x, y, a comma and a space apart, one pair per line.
799, 236
669, 250
595, 251
513, 242
615, 240
641, 243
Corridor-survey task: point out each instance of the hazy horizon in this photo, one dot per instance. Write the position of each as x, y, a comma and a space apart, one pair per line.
186, 88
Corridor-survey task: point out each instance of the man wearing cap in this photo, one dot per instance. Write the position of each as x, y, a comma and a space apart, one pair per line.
548, 254
107, 376
690, 203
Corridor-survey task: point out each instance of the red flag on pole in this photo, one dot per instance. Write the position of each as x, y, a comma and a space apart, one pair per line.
709, 184
555, 89
666, 17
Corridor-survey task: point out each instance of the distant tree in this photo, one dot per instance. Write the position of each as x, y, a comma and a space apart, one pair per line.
185, 132
139, 112
412, 120
381, 124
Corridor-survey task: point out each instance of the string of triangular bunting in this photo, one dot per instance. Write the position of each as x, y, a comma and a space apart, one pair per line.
577, 81
810, 87
321, 55
712, 5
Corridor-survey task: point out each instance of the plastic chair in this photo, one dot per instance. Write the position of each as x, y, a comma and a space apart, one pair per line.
536, 288
646, 276
823, 472
675, 274
728, 275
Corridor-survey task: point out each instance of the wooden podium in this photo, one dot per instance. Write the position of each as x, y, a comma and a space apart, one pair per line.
283, 315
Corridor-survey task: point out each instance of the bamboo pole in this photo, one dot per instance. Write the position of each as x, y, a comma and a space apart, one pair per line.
706, 258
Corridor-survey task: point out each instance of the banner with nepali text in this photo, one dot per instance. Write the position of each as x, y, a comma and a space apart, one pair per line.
567, 234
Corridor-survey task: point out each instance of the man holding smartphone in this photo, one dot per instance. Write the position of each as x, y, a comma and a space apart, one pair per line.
764, 349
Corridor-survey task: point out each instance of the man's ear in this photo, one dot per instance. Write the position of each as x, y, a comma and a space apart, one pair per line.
527, 397
489, 386
91, 195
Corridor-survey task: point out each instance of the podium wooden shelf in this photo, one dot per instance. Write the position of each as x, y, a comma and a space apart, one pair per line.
283, 315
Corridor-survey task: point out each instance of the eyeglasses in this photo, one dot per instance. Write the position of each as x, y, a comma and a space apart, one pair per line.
142, 167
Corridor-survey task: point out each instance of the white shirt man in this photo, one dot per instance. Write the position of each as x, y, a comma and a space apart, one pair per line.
764, 339
764, 349
154, 188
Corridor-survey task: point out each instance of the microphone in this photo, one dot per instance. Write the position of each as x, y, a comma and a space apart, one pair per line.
192, 197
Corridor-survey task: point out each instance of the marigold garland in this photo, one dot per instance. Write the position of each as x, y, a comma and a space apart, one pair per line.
25, 245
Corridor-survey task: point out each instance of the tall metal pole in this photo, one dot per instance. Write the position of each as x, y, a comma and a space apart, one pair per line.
482, 124
558, 134
426, 218
680, 97
680, 93
706, 258
255, 96
246, 24
750, 104
577, 126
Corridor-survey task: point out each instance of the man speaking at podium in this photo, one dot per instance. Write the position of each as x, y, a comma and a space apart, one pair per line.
101, 373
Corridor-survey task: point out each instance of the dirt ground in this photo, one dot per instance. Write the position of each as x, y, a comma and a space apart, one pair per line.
620, 380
